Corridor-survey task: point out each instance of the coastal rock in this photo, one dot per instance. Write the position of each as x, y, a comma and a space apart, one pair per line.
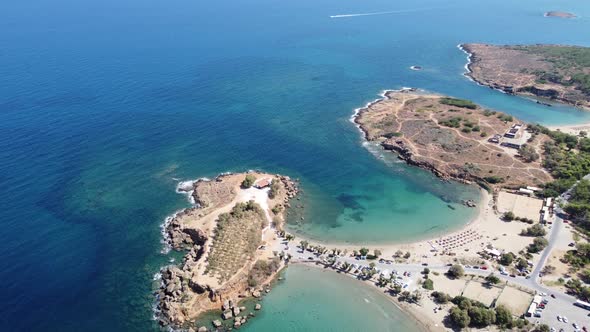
216, 323
226, 315
202, 329
258, 306
256, 294
236, 311
225, 305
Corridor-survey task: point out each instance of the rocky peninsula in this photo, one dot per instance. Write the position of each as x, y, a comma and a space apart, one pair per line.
548, 72
227, 236
455, 139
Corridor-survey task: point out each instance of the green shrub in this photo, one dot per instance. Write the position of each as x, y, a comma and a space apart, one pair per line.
458, 102
536, 230
494, 179
248, 181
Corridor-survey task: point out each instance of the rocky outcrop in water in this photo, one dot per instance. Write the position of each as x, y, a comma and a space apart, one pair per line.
180, 237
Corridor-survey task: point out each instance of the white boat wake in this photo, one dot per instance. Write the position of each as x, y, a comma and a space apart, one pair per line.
380, 13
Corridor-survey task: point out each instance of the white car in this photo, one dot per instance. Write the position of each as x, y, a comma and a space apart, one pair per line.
564, 319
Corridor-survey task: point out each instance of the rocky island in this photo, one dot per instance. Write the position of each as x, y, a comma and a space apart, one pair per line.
227, 237
550, 72
560, 14
455, 139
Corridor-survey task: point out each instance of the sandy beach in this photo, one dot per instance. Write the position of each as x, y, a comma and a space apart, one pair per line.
574, 129
484, 230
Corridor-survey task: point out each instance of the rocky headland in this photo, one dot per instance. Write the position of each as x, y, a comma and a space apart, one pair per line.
548, 72
455, 139
227, 238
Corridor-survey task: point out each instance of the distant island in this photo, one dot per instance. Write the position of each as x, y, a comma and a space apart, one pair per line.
555, 13
549, 72
455, 139
228, 238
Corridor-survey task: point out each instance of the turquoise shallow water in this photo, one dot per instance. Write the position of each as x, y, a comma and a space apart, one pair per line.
105, 105
306, 301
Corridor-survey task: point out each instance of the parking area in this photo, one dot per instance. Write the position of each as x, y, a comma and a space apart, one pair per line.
572, 315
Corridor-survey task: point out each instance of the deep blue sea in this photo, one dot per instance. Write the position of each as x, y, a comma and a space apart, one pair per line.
105, 105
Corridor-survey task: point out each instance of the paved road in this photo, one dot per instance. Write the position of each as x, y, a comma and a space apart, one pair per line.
561, 305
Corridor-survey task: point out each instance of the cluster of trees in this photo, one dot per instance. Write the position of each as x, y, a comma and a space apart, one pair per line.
364, 252
508, 216
492, 279
528, 153
263, 269
578, 259
400, 254
413, 297
248, 181
469, 126
539, 243
440, 297
454, 122
568, 60
427, 283
505, 117
470, 313
507, 258
578, 289
567, 157
463, 103
579, 205
535, 230
494, 179
456, 271
275, 188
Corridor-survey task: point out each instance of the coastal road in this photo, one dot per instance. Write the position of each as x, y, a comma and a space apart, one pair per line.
561, 305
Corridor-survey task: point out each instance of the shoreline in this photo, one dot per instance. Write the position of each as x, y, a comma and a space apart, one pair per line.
421, 320
573, 129
468, 72
388, 249
508, 90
